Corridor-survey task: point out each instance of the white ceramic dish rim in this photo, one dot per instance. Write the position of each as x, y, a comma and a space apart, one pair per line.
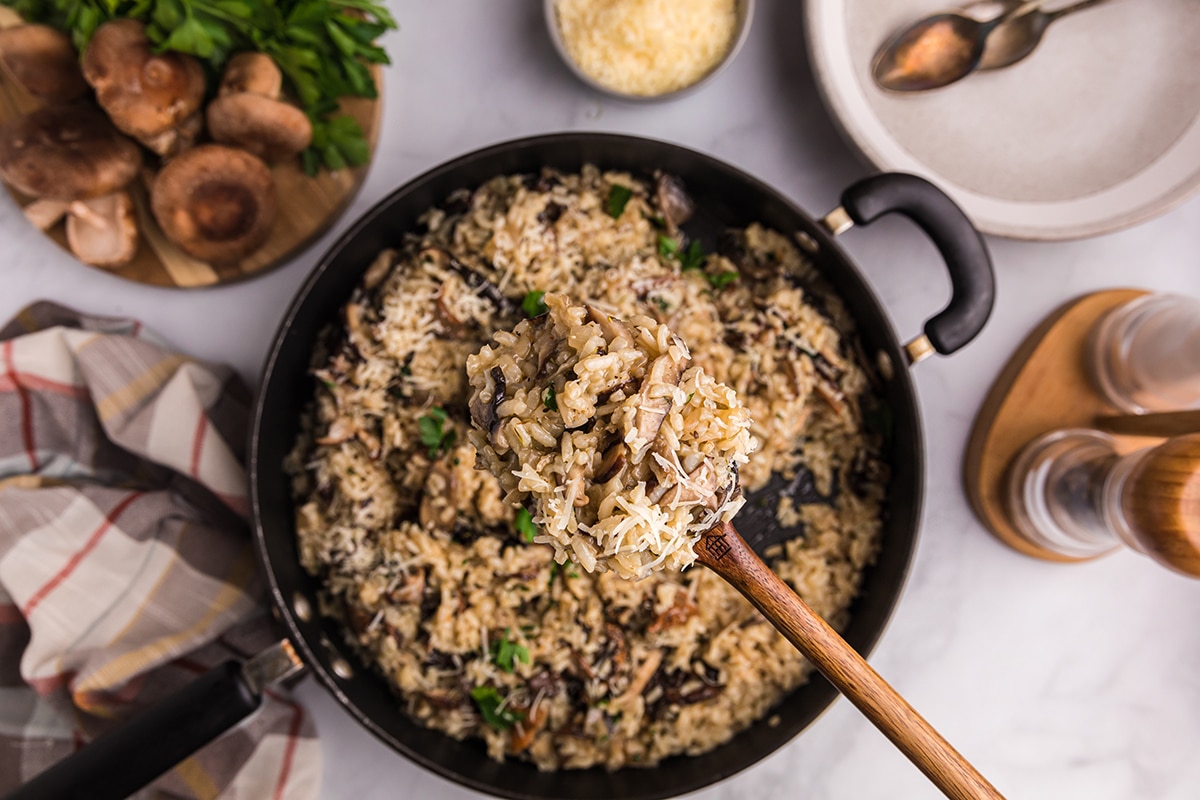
745, 11
1162, 185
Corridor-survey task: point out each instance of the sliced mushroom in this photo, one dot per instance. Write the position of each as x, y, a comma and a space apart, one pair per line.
611, 463
682, 609
652, 410
702, 484
477, 282
43, 61
526, 729
252, 72
641, 677
66, 153
615, 331
677, 207
575, 484
146, 94
487, 414
102, 231
216, 203
270, 129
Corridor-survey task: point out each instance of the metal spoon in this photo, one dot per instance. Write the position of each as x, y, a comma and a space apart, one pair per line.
943, 48
1019, 35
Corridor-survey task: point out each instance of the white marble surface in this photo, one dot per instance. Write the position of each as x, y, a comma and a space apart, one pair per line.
1057, 682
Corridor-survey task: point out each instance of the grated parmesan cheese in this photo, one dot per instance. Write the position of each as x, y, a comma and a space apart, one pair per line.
647, 47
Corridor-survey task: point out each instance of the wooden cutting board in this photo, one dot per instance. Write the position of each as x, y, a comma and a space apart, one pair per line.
307, 207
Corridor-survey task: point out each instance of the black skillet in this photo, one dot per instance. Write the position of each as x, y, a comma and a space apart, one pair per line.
133, 755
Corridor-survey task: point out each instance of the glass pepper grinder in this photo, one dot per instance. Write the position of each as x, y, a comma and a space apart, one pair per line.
1145, 354
1070, 492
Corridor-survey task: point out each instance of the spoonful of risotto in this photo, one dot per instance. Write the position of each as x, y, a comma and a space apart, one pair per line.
627, 457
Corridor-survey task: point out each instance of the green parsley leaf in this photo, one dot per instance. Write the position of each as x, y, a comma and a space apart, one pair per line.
489, 702
618, 198
567, 568
694, 257
723, 279
549, 399
504, 650
525, 526
434, 434
667, 247
533, 305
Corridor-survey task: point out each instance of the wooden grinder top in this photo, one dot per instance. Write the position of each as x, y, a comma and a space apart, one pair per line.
1161, 499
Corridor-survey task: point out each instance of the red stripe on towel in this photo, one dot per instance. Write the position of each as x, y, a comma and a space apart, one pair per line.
79, 555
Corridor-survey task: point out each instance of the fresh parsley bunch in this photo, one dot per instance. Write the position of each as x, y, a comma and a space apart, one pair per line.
323, 47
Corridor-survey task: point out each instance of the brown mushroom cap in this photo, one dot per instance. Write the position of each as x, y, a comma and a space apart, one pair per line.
270, 129
66, 153
143, 92
216, 203
43, 60
255, 73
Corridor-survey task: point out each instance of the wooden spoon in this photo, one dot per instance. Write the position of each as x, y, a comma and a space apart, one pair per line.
726, 553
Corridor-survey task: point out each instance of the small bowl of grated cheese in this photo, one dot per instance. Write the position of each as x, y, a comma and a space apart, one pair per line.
647, 50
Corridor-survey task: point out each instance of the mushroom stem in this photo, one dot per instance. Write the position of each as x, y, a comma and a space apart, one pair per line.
103, 231
85, 213
44, 213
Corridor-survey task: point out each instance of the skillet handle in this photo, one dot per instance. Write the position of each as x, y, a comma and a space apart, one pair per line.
145, 746
961, 245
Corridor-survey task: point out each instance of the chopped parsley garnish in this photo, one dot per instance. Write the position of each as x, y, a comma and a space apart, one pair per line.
489, 703
533, 305
330, 385
434, 434
567, 568
693, 257
723, 279
524, 525
663, 305
549, 399
504, 650
618, 198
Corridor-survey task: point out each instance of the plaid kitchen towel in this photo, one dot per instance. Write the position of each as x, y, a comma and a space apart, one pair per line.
126, 567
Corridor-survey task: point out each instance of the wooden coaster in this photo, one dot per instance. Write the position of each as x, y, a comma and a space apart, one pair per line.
1044, 387
306, 207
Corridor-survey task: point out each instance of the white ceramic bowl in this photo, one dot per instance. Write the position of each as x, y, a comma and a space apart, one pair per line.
745, 12
1097, 130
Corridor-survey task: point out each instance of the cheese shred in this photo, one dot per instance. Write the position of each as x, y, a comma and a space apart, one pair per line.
647, 47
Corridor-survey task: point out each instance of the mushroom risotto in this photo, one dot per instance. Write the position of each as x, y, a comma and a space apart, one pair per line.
450, 594
637, 455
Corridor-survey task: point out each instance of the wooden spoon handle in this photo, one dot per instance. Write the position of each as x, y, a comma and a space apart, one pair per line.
725, 552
